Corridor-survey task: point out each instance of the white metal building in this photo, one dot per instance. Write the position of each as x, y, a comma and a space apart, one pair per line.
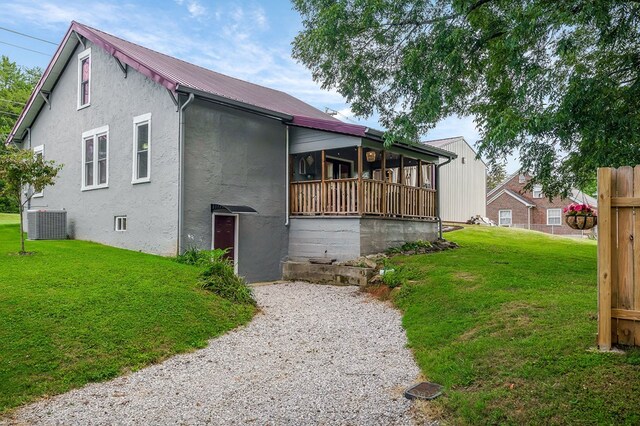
463, 182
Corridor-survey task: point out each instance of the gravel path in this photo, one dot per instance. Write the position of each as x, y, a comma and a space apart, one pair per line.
315, 355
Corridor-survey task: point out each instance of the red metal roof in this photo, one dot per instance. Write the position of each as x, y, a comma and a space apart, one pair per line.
172, 72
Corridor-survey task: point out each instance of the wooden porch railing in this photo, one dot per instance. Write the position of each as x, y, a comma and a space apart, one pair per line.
341, 197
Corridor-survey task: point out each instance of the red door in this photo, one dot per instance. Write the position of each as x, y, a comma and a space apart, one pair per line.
225, 234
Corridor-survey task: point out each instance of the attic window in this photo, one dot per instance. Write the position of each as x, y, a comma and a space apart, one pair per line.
521, 179
537, 191
84, 79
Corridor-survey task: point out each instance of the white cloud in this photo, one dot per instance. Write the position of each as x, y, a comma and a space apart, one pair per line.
196, 10
456, 126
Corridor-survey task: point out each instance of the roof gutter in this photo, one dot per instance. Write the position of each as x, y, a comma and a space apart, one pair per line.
233, 103
378, 135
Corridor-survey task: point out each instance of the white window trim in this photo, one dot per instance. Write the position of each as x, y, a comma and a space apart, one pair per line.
115, 223
136, 121
94, 133
236, 249
559, 216
537, 188
302, 166
500, 217
38, 150
81, 56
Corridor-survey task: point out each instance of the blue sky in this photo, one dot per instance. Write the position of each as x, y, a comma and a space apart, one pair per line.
246, 39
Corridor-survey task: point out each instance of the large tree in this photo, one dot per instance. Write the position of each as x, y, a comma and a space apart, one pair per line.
16, 84
557, 82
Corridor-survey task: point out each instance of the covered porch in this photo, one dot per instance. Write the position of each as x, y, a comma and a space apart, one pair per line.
364, 180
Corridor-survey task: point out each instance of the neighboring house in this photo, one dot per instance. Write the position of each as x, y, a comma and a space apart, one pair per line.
463, 183
509, 204
161, 155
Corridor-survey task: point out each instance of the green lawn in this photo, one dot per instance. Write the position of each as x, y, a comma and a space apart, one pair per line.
9, 218
77, 312
508, 324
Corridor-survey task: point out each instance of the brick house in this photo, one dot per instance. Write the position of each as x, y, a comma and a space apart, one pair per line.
509, 204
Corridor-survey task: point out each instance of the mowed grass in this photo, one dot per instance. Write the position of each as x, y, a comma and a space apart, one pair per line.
9, 218
508, 324
77, 312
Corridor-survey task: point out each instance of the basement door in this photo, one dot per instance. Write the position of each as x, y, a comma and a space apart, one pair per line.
225, 236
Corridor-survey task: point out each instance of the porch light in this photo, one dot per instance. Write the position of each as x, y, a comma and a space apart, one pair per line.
371, 156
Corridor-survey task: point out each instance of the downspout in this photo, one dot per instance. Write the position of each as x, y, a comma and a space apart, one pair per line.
438, 195
180, 168
529, 217
286, 179
29, 140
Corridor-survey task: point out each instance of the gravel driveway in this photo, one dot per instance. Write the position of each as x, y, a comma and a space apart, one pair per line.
315, 355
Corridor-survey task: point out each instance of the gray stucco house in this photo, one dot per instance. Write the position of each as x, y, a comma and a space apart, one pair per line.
160, 155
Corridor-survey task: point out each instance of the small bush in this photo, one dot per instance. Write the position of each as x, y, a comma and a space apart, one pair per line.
397, 276
197, 257
220, 278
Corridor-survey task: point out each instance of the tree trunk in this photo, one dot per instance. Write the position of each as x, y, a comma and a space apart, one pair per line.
21, 211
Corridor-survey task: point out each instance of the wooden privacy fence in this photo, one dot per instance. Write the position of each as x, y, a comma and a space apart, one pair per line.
618, 256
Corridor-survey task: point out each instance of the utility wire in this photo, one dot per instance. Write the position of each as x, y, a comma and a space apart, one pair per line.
25, 48
27, 35
12, 102
10, 114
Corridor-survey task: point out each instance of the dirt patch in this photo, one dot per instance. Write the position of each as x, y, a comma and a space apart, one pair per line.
465, 276
380, 292
428, 412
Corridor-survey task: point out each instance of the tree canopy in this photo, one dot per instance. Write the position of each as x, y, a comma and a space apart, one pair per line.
496, 174
556, 81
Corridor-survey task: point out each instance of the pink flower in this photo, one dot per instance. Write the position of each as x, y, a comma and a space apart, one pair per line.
578, 208
565, 210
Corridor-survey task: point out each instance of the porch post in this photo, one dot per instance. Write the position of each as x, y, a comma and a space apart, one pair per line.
322, 188
360, 187
384, 183
402, 189
420, 197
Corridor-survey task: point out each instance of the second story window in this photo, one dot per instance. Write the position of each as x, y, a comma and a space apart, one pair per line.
537, 191
84, 78
141, 148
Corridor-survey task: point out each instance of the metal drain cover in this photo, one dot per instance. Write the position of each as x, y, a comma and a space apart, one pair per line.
424, 390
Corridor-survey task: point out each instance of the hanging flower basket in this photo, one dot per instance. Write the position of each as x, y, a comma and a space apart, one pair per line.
580, 216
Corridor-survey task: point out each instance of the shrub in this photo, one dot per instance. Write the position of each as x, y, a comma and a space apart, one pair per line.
397, 276
410, 246
197, 257
220, 278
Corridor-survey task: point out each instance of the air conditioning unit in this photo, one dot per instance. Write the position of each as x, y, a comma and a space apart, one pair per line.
47, 224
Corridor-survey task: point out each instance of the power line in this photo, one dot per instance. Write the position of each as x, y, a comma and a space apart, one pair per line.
25, 48
27, 35
12, 102
10, 114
